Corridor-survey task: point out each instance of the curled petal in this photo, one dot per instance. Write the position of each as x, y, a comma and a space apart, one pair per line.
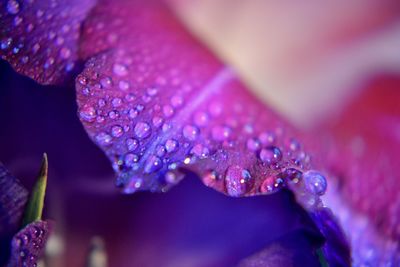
28, 244
160, 105
292, 250
40, 38
158, 102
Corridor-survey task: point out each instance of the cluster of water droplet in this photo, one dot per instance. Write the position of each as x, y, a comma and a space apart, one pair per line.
40, 40
29, 242
153, 134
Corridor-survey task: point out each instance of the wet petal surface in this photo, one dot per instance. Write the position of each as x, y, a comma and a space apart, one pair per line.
157, 102
28, 244
40, 38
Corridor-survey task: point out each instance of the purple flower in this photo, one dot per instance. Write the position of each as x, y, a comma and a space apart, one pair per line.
161, 107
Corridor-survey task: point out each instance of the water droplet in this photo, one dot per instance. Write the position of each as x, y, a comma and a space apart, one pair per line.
142, 130
315, 182
87, 113
5, 43
17, 20
123, 85
48, 63
116, 102
200, 151
172, 177
39, 13
131, 144
157, 121
131, 159
200, 118
113, 114
168, 111
13, 7
65, 53
35, 48
117, 131
292, 175
153, 164
25, 59
294, 145
120, 70
106, 82
238, 181
253, 144
103, 139
29, 28
267, 138
130, 97
133, 113
101, 102
267, 185
160, 150
271, 155
190, 132
221, 133
176, 101
152, 91
171, 145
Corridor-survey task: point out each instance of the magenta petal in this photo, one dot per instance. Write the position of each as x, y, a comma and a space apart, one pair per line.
28, 244
13, 197
40, 38
363, 151
159, 102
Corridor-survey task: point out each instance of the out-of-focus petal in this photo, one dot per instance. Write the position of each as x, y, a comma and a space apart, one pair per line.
302, 57
28, 244
40, 38
362, 146
13, 197
291, 250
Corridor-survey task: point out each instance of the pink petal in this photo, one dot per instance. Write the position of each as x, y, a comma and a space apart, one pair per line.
159, 103
40, 38
363, 149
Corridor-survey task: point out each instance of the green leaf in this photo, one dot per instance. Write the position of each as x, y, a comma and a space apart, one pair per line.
34, 209
321, 258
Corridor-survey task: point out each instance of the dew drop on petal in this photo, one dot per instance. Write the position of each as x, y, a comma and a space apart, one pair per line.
117, 131
200, 118
123, 85
153, 164
104, 139
190, 132
131, 144
168, 111
270, 155
142, 130
171, 145
221, 133
87, 113
13, 7
120, 69
253, 144
238, 181
315, 182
